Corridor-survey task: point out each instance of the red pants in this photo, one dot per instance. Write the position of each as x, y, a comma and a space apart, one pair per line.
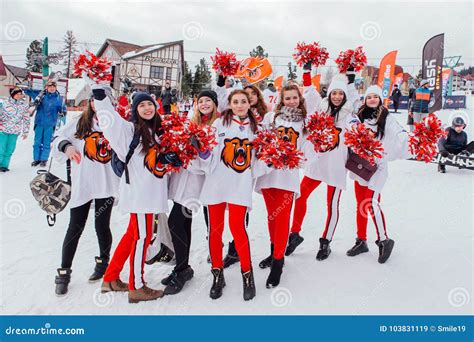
368, 201
133, 245
333, 196
237, 214
279, 203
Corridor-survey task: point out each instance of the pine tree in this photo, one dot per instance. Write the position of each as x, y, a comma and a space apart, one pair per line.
205, 73
187, 85
196, 85
33, 56
69, 52
259, 51
291, 71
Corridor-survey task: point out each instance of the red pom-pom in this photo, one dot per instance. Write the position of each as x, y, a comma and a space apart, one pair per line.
176, 137
97, 69
312, 53
423, 141
355, 58
323, 132
362, 141
225, 63
276, 152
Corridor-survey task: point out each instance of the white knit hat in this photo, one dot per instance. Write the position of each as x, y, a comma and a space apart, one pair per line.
373, 89
339, 81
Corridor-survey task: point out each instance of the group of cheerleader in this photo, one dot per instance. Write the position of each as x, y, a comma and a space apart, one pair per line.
222, 179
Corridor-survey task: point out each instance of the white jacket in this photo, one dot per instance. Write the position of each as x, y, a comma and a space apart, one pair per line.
93, 177
185, 188
395, 145
148, 188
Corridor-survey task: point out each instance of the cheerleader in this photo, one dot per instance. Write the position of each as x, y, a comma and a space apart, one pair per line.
280, 187
395, 144
143, 190
81, 140
228, 185
184, 190
327, 167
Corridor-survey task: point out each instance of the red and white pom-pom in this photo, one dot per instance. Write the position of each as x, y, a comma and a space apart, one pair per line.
310, 53
97, 69
355, 58
323, 133
225, 63
176, 137
278, 153
363, 141
423, 141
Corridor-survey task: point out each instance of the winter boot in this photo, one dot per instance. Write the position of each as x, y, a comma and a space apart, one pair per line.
267, 262
324, 249
177, 280
62, 281
218, 283
275, 273
232, 257
164, 255
114, 286
144, 294
441, 168
359, 247
294, 241
99, 270
385, 249
249, 285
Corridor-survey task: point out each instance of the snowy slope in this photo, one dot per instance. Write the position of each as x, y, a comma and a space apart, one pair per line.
429, 215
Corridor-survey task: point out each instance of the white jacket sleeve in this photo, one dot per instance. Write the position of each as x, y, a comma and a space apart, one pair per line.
65, 133
116, 130
395, 141
312, 99
222, 98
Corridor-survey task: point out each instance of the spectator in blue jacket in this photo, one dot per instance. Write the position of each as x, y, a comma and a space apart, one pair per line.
50, 106
420, 104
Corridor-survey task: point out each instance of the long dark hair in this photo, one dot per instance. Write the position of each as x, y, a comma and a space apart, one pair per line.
333, 109
261, 106
148, 130
86, 121
228, 113
380, 112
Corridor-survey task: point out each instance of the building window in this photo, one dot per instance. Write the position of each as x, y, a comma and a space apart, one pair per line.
168, 73
157, 72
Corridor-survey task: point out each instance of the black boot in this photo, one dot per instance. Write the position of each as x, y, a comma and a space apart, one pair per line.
164, 255
324, 249
218, 284
176, 280
441, 168
232, 257
294, 241
35, 163
385, 249
62, 281
359, 247
275, 273
249, 285
99, 270
267, 262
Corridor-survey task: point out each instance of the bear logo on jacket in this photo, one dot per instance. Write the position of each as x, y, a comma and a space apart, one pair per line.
237, 154
288, 134
152, 164
97, 148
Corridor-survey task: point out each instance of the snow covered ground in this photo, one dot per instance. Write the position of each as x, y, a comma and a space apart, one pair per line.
429, 215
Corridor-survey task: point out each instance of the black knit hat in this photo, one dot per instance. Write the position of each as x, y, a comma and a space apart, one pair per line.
14, 91
137, 98
210, 94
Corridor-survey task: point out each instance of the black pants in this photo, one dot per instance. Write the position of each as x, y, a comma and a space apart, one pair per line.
77, 222
395, 105
179, 222
167, 109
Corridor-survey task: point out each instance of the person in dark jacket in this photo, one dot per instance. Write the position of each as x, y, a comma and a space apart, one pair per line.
166, 98
50, 106
455, 142
411, 96
324, 92
396, 94
420, 105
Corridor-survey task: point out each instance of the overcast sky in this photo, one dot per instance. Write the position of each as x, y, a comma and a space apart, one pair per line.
241, 25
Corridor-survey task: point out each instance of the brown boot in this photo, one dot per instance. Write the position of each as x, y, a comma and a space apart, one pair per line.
144, 294
114, 286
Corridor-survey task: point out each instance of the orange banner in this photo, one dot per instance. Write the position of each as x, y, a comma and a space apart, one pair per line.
386, 75
254, 69
315, 81
278, 82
